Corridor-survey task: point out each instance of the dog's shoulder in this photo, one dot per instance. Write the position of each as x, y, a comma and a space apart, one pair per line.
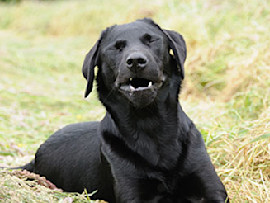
188, 130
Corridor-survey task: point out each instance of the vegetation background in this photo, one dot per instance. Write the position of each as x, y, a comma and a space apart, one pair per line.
226, 91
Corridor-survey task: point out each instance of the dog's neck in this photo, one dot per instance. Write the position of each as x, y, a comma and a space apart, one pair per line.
150, 132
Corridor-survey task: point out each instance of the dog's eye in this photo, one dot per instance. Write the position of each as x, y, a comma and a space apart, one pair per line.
120, 44
148, 39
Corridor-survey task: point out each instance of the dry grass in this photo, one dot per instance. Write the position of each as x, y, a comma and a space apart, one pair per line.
244, 163
226, 90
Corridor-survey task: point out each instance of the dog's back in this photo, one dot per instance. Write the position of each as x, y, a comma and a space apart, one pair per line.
82, 167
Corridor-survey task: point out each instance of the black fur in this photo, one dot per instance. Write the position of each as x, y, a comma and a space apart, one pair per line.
145, 149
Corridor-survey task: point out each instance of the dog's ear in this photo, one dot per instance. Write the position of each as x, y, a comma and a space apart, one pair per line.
178, 46
90, 62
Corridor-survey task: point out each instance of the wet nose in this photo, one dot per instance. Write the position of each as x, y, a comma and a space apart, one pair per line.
136, 60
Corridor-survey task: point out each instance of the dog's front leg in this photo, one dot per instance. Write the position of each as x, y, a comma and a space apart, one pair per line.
203, 180
133, 190
126, 191
214, 190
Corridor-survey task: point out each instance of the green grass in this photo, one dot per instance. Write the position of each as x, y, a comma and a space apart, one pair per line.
226, 91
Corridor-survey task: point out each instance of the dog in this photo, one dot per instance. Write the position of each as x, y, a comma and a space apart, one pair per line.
145, 149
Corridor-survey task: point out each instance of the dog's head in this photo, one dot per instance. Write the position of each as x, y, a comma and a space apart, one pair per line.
136, 61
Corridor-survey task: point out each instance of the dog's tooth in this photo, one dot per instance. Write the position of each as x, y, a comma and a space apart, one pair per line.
132, 88
150, 84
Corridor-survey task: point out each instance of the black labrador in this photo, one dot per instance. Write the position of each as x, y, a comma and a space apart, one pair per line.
145, 149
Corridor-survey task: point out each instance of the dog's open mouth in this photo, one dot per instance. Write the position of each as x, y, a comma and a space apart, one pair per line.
139, 84
140, 91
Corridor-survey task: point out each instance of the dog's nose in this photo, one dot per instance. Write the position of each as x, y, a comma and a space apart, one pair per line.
136, 60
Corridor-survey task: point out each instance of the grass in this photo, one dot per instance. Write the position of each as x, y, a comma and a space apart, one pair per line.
226, 90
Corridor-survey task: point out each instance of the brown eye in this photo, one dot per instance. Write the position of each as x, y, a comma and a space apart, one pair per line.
120, 45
